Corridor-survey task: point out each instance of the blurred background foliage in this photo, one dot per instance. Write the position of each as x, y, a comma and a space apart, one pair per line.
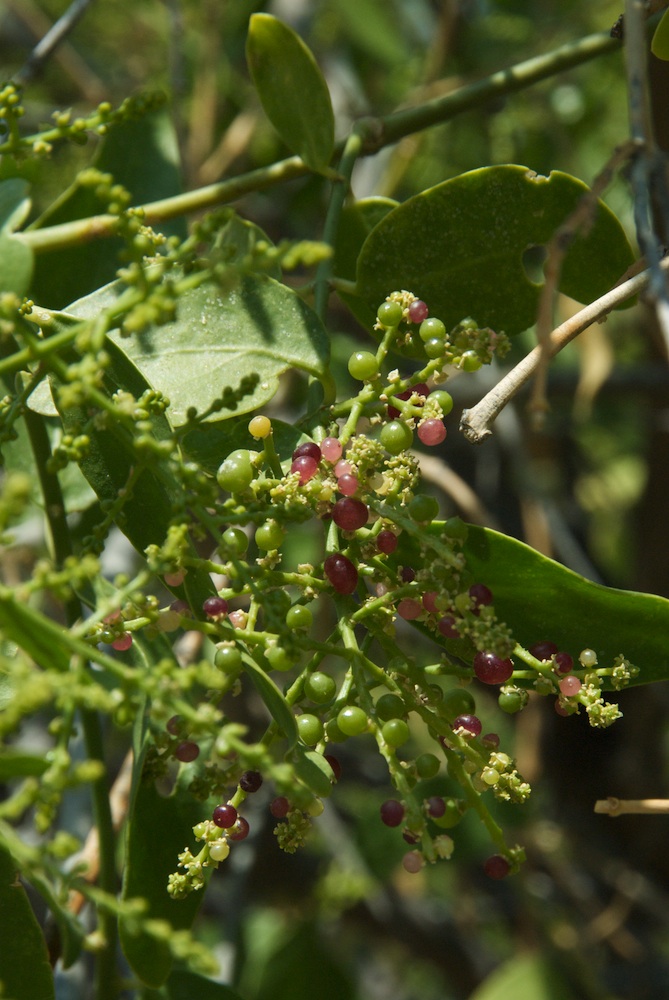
588, 916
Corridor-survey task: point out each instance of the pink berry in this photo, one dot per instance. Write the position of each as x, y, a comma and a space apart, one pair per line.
305, 466
123, 642
492, 669
392, 812
386, 541
409, 609
225, 816
331, 449
418, 311
413, 862
348, 485
175, 579
343, 468
429, 600
570, 685
181, 607
341, 573
350, 514
431, 432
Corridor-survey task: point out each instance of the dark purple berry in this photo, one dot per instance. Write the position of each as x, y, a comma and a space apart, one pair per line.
564, 663
350, 514
543, 650
309, 448
225, 816
386, 541
496, 866
410, 837
392, 812
435, 806
174, 725
250, 781
480, 595
408, 574
470, 723
490, 741
215, 607
334, 765
240, 830
341, 573
492, 669
187, 752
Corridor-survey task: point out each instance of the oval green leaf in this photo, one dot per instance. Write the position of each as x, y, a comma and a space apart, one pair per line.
541, 600
292, 89
25, 972
16, 265
251, 334
275, 702
660, 43
313, 769
459, 246
530, 975
14, 204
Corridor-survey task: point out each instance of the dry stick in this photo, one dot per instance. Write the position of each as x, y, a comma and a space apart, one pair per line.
475, 423
617, 807
579, 221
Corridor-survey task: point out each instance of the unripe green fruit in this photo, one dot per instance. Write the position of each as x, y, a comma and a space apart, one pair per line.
278, 658
510, 702
363, 365
228, 659
395, 732
334, 733
444, 399
390, 706
352, 720
456, 702
435, 347
310, 729
236, 473
470, 361
427, 766
389, 313
235, 541
320, 687
456, 528
423, 509
451, 817
299, 616
396, 437
431, 328
270, 535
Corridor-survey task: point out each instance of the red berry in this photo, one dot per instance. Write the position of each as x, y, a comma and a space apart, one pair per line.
348, 485
350, 514
492, 669
187, 752
543, 650
392, 812
225, 816
431, 432
429, 600
305, 466
564, 662
215, 607
480, 595
409, 609
447, 627
496, 866
386, 541
341, 573
490, 741
334, 765
309, 448
240, 830
470, 723
279, 807
418, 311
123, 642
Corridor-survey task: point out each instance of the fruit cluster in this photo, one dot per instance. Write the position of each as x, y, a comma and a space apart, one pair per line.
335, 626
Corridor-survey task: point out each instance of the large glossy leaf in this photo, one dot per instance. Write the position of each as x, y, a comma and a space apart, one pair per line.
460, 245
25, 972
142, 155
257, 328
356, 222
292, 89
540, 599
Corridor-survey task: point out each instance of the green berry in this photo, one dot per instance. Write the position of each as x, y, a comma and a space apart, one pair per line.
236, 473
228, 659
395, 732
435, 347
319, 687
235, 541
427, 766
334, 733
470, 361
278, 658
510, 702
430, 328
352, 720
310, 729
299, 616
423, 509
456, 529
444, 399
396, 437
451, 817
458, 701
390, 706
270, 535
389, 313
363, 365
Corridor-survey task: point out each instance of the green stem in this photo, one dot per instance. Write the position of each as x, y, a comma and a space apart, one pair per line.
379, 132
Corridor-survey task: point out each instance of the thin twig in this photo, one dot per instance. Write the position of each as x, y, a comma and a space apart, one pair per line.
51, 40
617, 807
475, 423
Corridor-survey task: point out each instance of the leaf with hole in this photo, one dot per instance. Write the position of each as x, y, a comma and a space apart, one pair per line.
460, 245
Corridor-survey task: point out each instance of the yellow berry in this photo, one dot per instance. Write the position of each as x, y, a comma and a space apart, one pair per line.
260, 427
